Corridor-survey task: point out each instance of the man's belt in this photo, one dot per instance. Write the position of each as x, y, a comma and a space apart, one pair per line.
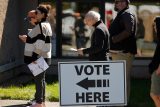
116, 51
120, 52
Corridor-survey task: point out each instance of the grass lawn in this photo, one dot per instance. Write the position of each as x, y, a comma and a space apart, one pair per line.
139, 92
26, 91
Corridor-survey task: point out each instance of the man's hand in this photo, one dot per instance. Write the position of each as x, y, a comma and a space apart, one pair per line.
23, 38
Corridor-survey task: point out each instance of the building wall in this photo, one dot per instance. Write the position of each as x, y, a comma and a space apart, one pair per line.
9, 26
12, 14
3, 6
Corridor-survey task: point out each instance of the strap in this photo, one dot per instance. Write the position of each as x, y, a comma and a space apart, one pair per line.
108, 56
40, 27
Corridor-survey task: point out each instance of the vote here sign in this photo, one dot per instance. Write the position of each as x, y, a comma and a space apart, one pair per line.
92, 83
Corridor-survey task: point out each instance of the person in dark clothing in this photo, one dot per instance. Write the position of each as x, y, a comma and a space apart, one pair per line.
122, 37
155, 76
99, 39
154, 68
80, 32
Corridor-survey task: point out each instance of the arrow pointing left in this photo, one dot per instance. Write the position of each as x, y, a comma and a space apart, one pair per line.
85, 83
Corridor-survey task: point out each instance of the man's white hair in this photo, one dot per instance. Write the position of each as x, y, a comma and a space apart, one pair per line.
94, 15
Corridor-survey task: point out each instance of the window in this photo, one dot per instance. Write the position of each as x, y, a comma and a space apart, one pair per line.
145, 14
75, 34
69, 24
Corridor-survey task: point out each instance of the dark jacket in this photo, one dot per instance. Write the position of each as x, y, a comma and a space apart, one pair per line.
79, 28
99, 43
122, 32
155, 60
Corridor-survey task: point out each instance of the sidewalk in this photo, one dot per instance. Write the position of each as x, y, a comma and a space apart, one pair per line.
22, 103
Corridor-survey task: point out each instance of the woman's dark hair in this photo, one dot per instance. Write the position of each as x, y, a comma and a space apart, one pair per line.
44, 9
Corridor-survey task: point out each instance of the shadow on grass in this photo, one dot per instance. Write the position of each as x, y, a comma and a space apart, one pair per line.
26, 79
50, 79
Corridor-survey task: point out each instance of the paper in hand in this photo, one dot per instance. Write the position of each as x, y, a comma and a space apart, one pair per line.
73, 49
38, 67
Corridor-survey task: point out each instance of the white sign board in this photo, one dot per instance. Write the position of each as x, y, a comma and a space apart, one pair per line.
92, 83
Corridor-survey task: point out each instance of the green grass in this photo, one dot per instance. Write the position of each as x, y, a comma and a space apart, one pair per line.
27, 92
14, 92
139, 92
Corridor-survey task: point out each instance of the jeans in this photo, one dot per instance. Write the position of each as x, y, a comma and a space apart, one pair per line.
40, 88
80, 42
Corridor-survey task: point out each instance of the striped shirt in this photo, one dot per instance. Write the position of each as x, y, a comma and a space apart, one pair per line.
38, 43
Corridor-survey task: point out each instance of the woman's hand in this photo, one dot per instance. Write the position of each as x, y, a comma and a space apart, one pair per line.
34, 62
23, 38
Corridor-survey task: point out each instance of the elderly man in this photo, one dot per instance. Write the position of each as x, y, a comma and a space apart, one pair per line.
122, 37
99, 39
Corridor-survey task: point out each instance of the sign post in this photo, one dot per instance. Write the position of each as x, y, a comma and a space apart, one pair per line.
92, 83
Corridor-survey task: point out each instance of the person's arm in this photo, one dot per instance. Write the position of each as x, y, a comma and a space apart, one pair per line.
154, 64
98, 42
128, 21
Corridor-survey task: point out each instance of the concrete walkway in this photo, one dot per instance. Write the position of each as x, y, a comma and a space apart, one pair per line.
23, 103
